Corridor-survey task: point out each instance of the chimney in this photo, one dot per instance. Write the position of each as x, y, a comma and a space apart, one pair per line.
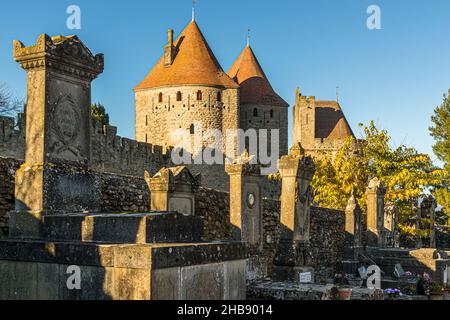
170, 36
169, 50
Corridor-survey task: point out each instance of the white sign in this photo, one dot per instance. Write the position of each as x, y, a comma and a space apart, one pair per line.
306, 277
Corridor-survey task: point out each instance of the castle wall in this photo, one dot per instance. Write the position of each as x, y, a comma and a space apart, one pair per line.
268, 117
156, 122
117, 155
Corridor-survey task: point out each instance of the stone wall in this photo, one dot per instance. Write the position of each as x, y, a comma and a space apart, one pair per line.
327, 237
124, 194
156, 120
213, 206
12, 137
327, 241
8, 167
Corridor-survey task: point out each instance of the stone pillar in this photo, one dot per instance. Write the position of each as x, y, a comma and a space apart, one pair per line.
433, 206
375, 214
292, 253
428, 211
245, 201
353, 230
59, 75
172, 189
391, 225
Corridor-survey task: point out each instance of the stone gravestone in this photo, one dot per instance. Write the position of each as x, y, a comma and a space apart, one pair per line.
426, 211
60, 71
398, 271
375, 214
245, 201
353, 223
172, 189
292, 255
353, 236
391, 225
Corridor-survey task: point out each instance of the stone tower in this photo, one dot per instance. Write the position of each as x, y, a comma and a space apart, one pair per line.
185, 89
260, 106
319, 125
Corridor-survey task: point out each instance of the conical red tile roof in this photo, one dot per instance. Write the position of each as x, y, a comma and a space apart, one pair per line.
194, 64
255, 87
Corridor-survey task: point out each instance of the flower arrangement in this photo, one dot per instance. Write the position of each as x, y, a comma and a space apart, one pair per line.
393, 293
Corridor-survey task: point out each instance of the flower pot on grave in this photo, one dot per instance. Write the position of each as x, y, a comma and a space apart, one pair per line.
437, 296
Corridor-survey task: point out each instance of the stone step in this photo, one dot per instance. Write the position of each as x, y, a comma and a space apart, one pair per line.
156, 227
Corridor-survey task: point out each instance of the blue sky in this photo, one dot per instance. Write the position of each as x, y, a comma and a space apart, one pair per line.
395, 76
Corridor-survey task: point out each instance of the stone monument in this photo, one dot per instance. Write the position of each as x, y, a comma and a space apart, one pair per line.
60, 71
391, 225
245, 201
353, 218
118, 256
291, 258
375, 236
172, 189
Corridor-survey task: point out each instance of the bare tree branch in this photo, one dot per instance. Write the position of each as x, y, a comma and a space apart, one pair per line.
9, 105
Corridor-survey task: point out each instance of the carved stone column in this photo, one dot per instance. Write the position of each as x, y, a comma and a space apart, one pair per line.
353, 223
245, 201
375, 214
172, 189
391, 225
59, 75
292, 254
427, 210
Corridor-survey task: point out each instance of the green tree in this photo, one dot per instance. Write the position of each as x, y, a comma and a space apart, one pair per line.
99, 114
440, 131
406, 174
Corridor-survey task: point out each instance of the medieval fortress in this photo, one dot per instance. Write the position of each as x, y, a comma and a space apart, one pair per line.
138, 226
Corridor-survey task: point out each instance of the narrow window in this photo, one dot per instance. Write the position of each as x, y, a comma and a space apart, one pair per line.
192, 129
219, 96
255, 112
160, 97
199, 96
271, 113
179, 96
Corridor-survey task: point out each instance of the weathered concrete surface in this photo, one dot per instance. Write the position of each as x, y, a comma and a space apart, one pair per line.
38, 270
157, 227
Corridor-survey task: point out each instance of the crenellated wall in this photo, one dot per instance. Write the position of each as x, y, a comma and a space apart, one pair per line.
114, 154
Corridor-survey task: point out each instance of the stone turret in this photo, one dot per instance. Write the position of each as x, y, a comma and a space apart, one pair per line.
260, 106
188, 90
320, 126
